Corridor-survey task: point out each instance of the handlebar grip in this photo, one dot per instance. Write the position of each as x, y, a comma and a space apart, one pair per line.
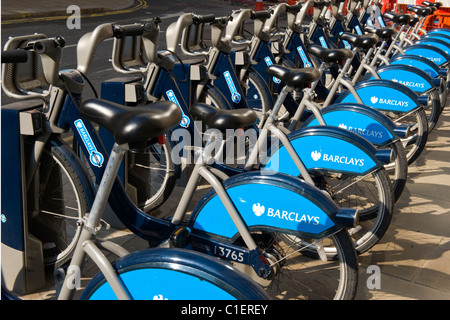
136, 29
14, 56
260, 15
321, 4
128, 30
209, 18
294, 8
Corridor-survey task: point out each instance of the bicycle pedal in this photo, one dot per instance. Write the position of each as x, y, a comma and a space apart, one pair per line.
180, 237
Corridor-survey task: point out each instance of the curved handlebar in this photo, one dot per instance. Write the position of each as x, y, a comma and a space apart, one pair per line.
88, 44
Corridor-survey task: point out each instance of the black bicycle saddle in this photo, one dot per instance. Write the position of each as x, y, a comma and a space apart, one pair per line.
364, 41
132, 125
297, 78
329, 55
223, 119
382, 33
400, 19
420, 11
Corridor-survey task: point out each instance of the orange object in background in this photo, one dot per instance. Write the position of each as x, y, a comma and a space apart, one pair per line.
439, 19
258, 5
388, 5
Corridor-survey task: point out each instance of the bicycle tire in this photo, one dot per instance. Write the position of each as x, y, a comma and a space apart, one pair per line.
433, 109
176, 274
62, 192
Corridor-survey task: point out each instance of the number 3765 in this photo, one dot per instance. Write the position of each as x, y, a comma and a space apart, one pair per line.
230, 254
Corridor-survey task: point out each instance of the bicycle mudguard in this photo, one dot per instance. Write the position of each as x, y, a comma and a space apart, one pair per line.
441, 36
175, 274
367, 122
324, 148
422, 63
443, 31
432, 53
414, 78
272, 202
435, 42
383, 95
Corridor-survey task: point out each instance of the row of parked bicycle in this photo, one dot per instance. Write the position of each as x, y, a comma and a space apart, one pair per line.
307, 125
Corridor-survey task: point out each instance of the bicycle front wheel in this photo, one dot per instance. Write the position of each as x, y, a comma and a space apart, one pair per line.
152, 175
175, 274
257, 93
60, 203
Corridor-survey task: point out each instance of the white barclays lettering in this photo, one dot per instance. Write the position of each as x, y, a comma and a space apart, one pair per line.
293, 216
365, 132
362, 132
410, 84
390, 102
343, 160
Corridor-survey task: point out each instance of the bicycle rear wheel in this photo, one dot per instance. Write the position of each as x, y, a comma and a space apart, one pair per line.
371, 194
306, 276
176, 274
433, 109
397, 169
415, 143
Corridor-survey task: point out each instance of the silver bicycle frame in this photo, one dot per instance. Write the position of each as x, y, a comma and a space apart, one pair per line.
92, 222
91, 225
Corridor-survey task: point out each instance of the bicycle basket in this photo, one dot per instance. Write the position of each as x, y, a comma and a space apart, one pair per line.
129, 55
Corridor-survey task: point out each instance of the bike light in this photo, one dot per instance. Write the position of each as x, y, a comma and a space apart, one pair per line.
436, 82
162, 139
347, 217
423, 100
402, 131
443, 71
384, 155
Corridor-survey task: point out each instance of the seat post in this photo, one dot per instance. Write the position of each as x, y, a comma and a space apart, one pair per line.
106, 184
